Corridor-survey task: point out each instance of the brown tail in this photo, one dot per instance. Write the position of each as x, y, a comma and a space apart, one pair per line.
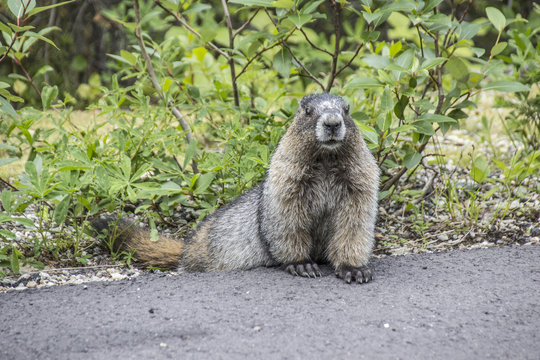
127, 236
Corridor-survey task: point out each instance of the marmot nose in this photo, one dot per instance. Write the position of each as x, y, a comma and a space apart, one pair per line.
332, 123
332, 127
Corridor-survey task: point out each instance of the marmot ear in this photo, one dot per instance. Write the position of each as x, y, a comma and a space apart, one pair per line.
346, 109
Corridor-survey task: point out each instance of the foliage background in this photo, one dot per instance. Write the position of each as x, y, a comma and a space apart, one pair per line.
184, 101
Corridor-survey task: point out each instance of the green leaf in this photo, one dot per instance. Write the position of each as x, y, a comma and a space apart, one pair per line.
506, 86
44, 8
203, 182
282, 4
196, 8
468, 31
496, 17
5, 28
376, 61
430, 5
300, 19
457, 68
125, 166
6, 107
400, 106
480, 170
282, 63
70, 165
61, 210
189, 153
7, 234
363, 83
14, 261
384, 120
423, 127
405, 59
395, 48
32, 34
167, 84
263, 3
412, 159
387, 103
6, 161
154, 235
499, 48
6, 197
129, 57
17, 7
431, 63
24, 221
436, 118
368, 132
311, 7
42, 70
48, 95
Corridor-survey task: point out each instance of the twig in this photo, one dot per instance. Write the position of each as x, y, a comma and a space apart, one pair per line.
335, 55
192, 30
231, 46
156, 209
28, 77
244, 25
8, 184
10, 45
151, 73
309, 74
246, 65
313, 45
351, 59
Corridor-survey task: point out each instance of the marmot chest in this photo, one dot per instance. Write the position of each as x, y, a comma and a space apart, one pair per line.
324, 188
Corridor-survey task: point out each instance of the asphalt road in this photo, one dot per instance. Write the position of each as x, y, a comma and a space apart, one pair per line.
478, 304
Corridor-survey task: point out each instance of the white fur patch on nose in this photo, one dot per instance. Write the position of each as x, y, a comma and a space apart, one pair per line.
330, 128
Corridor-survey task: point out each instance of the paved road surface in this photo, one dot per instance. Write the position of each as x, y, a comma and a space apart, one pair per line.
478, 304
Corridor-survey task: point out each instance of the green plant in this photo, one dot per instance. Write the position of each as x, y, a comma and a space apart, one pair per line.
196, 106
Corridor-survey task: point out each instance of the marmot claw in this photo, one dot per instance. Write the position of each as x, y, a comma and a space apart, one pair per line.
360, 274
304, 269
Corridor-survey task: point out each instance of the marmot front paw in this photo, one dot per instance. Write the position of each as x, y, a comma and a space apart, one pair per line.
303, 269
360, 274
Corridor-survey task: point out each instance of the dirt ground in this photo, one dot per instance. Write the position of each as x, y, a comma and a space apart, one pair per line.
477, 304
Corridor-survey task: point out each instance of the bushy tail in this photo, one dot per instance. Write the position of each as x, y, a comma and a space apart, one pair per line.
127, 236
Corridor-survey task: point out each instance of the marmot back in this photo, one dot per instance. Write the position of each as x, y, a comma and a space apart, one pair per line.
318, 203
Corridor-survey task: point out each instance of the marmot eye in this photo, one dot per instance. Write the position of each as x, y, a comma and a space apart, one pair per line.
308, 111
346, 109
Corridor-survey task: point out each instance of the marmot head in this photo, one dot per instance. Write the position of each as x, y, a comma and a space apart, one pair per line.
328, 116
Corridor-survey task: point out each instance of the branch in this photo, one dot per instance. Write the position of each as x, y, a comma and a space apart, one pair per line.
192, 30
241, 28
394, 179
351, 59
155, 83
10, 45
337, 31
313, 45
244, 68
309, 74
439, 77
28, 77
283, 42
231, 46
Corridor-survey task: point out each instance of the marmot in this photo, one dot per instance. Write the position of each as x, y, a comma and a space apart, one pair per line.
318, 203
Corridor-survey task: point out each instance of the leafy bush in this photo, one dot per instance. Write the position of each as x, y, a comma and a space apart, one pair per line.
196, 106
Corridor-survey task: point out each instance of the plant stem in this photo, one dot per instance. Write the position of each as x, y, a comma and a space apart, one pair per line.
151, 73
231, 46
